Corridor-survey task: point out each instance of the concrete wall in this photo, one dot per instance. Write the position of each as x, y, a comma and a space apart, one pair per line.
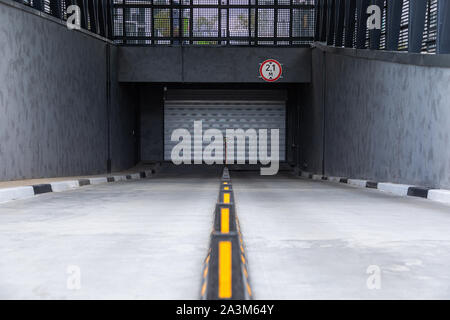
210, 64
53, 101
124, 117
312, 116
383, 121
152, 122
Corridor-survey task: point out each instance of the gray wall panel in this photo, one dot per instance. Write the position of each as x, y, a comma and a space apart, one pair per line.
53, 115
230, 64
150, 64
210, 64
311, 117
124, 126
386, 121
152, 123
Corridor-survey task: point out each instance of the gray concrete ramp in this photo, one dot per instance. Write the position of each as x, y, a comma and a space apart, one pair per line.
318, 240
135, 240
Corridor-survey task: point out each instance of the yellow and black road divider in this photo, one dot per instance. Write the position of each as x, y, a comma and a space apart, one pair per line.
225, 271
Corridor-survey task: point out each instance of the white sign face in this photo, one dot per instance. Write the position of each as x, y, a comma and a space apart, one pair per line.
270, 70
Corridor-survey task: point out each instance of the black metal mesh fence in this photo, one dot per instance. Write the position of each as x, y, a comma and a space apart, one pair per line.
428, 38
193, 22
95, 15
214, 22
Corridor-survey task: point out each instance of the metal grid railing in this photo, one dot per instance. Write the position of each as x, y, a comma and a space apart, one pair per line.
430, 28
95, 14
426, 43
430, 31
404, 24
214, 22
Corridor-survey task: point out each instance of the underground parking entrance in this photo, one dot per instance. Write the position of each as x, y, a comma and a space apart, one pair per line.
232, 112
124, 127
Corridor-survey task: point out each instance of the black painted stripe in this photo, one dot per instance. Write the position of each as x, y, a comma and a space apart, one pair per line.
128, 177
324, 178
111, 179
42, 188
84, 182
372, 185
343, 180
418, 192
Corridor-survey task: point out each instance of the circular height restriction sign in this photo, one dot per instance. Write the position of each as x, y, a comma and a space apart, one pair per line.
270, 70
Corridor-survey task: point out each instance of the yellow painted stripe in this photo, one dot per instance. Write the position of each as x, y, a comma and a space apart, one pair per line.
249, 290
205, 273
226, 198
203, 289
225, 220
225, 183
226, 188
225, 269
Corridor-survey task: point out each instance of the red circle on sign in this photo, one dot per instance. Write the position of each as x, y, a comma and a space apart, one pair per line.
262, 73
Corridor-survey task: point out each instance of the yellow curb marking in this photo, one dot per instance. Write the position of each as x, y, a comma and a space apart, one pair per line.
203, 289
225, 220
225, 280
249, 290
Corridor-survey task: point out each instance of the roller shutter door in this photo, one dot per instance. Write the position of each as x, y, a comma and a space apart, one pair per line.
224, 115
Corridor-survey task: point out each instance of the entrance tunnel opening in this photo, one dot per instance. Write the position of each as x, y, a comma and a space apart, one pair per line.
164, 108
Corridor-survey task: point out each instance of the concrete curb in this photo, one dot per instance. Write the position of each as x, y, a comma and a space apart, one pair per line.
394, 188
101, 180
357, 182
438, 195
19, 193
64, 185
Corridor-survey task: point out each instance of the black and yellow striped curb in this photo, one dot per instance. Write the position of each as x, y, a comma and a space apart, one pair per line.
225, 271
